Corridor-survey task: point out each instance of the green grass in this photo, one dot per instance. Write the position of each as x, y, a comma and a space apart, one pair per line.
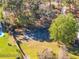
32, 49
32, 53
8, 58
1, 10
6, 50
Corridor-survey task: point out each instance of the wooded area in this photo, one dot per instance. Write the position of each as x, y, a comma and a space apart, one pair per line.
55, 21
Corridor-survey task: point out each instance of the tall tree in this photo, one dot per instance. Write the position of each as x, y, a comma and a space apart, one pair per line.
64, 28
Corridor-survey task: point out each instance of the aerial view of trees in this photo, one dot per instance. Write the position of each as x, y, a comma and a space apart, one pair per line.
25, 23
64, 28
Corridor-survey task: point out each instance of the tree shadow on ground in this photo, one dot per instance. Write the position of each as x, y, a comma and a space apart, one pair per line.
74, 48
74, 51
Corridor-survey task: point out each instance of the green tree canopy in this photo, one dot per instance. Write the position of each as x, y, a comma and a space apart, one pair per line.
64, 28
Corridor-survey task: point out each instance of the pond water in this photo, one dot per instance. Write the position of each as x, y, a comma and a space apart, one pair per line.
1, 32
38, 34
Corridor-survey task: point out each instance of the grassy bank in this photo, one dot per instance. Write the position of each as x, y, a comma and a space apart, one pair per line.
8, 48
32, 48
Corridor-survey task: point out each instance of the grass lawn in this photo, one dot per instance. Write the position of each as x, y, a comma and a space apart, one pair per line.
7, 57
6, 51
33, 47
1, 9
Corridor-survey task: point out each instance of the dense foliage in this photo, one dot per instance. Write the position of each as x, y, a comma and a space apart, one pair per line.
64, 28
26, 12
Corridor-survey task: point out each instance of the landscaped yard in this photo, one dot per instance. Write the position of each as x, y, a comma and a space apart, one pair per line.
8, 49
